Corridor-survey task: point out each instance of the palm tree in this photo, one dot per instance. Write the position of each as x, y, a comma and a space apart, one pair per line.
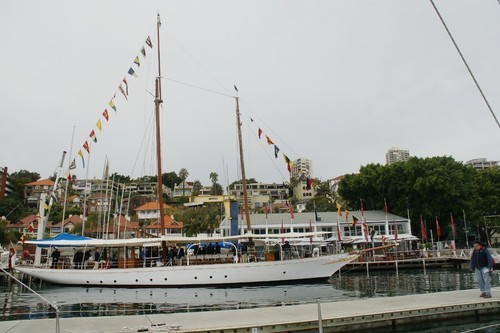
183, 173
214, 177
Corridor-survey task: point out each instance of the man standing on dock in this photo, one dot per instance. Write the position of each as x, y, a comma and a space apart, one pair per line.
482, 263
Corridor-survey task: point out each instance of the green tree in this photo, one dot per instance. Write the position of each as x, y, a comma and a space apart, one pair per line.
430, 187
323, 204
249, 181
22, 177
200, 219
488, 203
183, 174
216, 187
169, 179
196, 187
120, 178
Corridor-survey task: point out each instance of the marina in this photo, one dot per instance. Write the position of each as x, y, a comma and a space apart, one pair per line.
396, 314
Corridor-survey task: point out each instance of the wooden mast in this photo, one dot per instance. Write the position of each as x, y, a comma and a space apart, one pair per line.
242, 162
158, 102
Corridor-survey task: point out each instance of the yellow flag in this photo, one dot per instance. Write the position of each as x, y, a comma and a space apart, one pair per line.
339, 209
99, 125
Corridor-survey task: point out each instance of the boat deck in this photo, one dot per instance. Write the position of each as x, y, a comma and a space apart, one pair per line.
385, 313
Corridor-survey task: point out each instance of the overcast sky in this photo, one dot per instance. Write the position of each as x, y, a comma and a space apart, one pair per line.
338, 82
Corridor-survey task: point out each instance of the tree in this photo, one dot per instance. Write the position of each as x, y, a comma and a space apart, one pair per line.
183, 174
169, 179
196, 187
120, 178
216, 187
22, 177
323, 189
430, 187
488, 204
200, 219
249, 181
323, 204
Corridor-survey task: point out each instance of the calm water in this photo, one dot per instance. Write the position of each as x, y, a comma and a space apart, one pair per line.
18, 303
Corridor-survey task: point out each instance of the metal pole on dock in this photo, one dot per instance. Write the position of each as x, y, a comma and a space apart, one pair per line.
367, 269
320, 319
423, 262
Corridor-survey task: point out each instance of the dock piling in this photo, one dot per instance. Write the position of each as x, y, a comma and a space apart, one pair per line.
320, 320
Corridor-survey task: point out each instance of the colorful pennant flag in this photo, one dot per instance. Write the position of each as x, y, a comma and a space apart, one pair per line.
105, 114
365, 228
148, 41
72, 166
112, 105
339, 209
99, 125
422, 229
291, 212
354, 220
309, 183
86, 146
438, 228
276, 151
260, 133
93, 136
83, 159
132, 72
137, 62
269, 141
346, 215
289, 163
126, 84
122, 91
143, 51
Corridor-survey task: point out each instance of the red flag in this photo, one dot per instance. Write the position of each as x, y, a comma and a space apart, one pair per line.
438, 228
260, 133
385, 207
30, 228
452, 225
395, 230
86, 147
365, 228
23, 238
422, 229
291, 212
105, 114
354, 220
269, 141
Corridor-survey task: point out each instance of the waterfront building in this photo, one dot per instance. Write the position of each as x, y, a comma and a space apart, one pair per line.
149, 211
259, 194
327, 222
69, 225
183, 189
396, 155
34, 190
482, 163
28, 225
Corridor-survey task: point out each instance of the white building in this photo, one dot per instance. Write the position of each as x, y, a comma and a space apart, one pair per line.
376, 224
260, 194
482, 163
396, 155
302, 167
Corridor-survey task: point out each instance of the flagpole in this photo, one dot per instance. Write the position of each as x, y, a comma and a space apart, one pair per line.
67, 180
85, 195
466, 230
386, 217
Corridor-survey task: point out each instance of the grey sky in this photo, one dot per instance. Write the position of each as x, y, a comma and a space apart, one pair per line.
335, 81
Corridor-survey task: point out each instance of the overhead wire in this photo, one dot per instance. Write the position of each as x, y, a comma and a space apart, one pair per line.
465, 63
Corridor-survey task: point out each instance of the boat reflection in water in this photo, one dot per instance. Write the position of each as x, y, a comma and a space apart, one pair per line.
83, 302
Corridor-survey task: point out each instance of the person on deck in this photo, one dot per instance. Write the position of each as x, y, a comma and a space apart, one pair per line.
481, 262
55, 257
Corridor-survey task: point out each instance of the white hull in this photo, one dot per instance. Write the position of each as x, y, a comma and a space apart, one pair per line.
197, 275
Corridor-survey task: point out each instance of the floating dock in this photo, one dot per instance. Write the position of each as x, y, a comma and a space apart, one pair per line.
383, 313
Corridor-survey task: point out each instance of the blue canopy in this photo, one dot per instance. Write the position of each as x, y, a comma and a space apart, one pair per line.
59, 240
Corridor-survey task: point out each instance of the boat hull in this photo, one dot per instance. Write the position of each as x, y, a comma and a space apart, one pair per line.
267, 272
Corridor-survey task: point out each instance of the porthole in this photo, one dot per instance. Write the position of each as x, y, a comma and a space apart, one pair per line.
165, 279
114, 281
136, 280
195, 277
225, 276
210, 276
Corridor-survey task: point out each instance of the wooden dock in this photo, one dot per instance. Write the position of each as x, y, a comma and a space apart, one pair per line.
384, 313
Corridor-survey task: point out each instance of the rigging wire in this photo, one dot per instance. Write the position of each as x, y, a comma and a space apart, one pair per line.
197, 87
229, 92
465, 62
